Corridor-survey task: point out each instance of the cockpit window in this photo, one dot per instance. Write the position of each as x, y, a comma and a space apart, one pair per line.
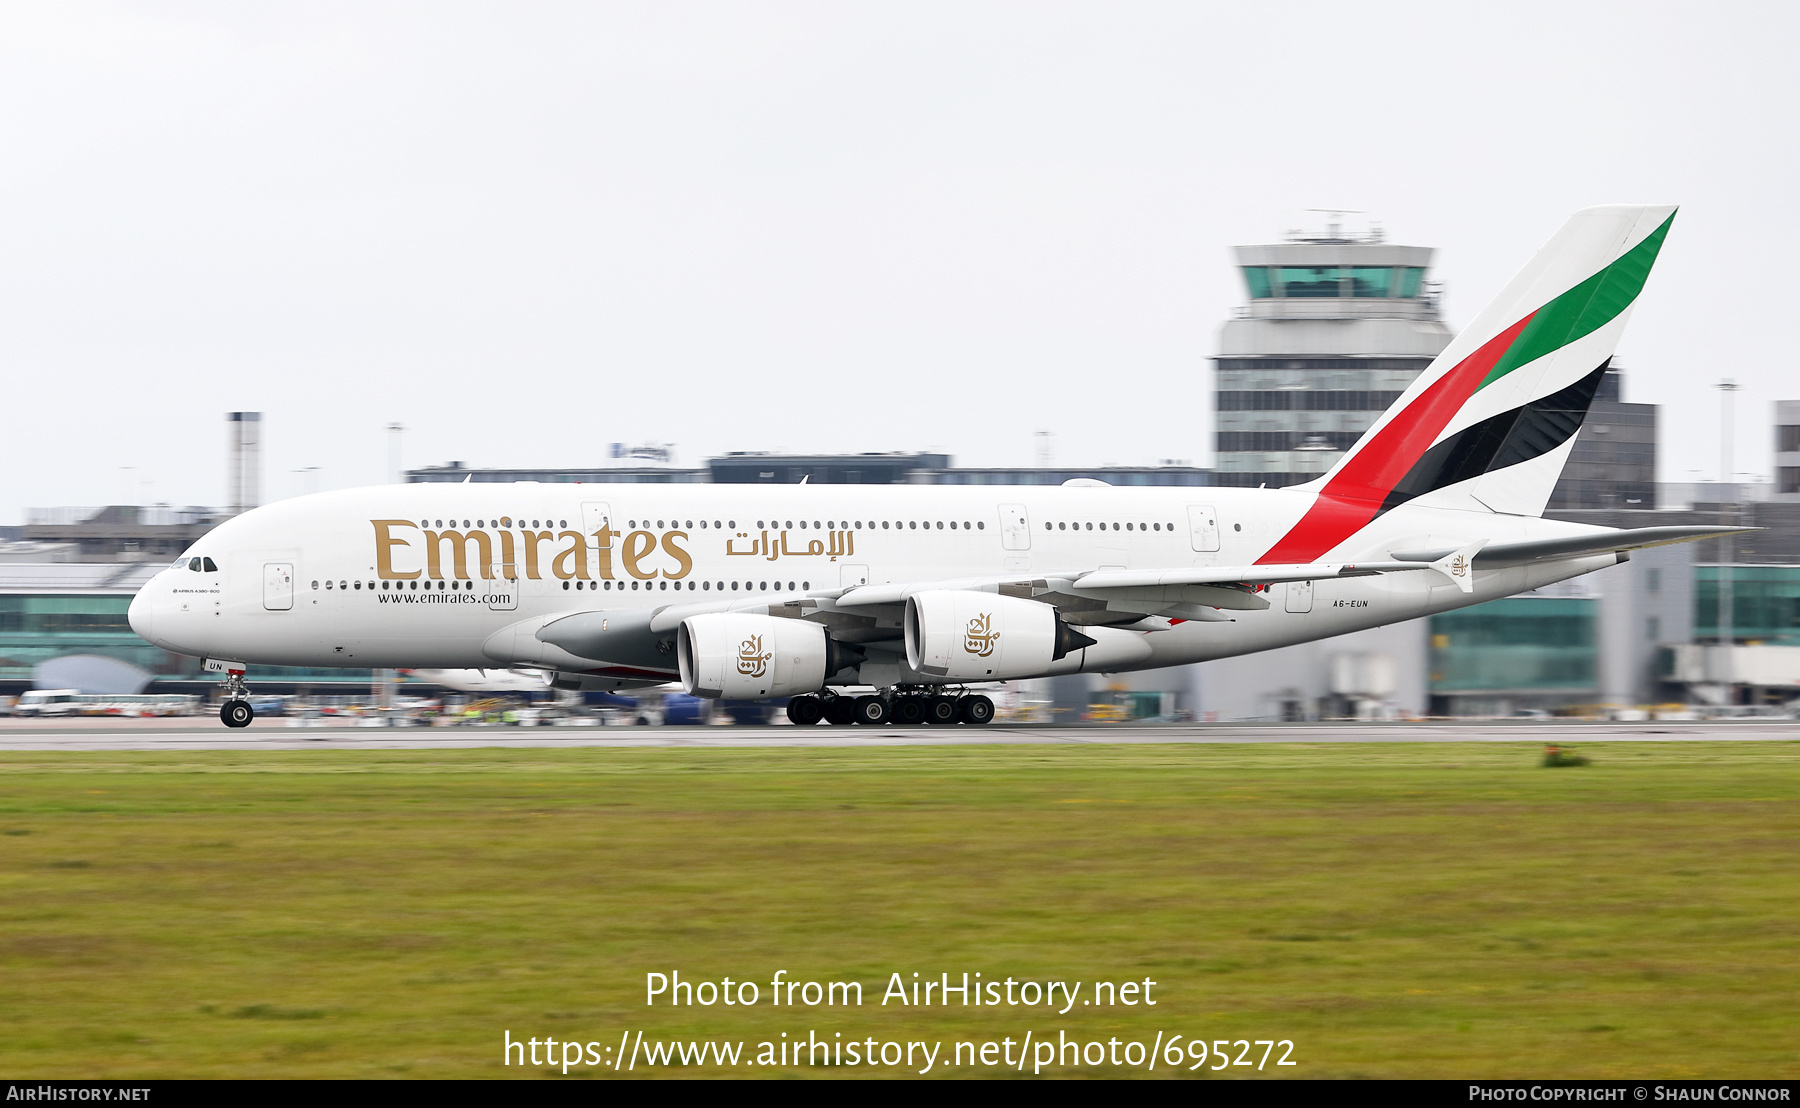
208, 565
194, 564
179, 563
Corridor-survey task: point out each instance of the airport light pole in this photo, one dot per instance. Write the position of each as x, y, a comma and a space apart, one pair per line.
1727, 543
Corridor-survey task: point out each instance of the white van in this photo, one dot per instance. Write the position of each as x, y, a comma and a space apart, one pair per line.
48, 702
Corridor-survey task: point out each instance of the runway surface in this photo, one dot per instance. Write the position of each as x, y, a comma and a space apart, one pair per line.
202, 733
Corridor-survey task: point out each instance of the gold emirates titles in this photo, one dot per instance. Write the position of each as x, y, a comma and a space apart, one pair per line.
570, 561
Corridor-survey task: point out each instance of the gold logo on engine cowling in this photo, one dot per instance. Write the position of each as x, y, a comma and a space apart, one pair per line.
1459, 566
980, 637
752, 660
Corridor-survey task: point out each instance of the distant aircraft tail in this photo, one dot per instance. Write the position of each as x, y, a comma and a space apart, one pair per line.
1491, 421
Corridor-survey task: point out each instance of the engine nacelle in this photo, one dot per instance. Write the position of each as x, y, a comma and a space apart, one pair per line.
741, 656
962, 635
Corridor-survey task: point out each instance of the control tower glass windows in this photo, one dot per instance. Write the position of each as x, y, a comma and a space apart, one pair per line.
1371, 280
1310, 281
1301, 282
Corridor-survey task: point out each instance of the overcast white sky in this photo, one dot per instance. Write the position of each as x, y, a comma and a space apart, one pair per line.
528, 230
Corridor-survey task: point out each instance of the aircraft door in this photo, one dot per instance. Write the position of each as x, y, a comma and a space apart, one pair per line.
502, 590
852, 576
278, 586
502, 584
596, 518
1015, 527
1203, 522
596, 524
1299, 596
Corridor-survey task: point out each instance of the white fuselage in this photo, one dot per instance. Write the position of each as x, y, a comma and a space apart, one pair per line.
349, 578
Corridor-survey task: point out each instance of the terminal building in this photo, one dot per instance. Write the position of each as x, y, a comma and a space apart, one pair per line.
1787, 450
763, 468
1613, 463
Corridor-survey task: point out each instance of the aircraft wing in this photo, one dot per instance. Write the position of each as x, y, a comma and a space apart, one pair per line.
1500, 555
645, 638
865, 595
1197, 593
1246, 575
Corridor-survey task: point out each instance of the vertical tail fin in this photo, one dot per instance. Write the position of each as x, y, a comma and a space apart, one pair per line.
1490, 422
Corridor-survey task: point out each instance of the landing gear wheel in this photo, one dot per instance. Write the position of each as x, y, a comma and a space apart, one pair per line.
840, 711
236, 713
909, 710
941, 711
977, 710
804, 711
871, 711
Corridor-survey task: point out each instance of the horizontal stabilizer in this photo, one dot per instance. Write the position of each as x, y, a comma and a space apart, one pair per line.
1459, 565
1575, 546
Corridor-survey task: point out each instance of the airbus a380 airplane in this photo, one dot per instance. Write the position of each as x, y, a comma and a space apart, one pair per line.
918, 591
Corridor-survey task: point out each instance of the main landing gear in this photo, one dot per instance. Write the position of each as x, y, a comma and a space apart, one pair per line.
236, 711
906, 706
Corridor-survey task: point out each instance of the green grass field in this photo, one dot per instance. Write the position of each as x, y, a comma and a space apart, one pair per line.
1397, 910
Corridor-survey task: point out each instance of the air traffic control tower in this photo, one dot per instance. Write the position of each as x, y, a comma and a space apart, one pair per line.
1334, 327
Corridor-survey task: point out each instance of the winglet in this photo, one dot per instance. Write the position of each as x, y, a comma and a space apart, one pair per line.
1459, 565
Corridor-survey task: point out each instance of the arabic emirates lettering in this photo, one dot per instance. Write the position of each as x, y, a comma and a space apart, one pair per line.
980, 637
752, 660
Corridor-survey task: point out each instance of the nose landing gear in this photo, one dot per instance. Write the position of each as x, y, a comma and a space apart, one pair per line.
236, 712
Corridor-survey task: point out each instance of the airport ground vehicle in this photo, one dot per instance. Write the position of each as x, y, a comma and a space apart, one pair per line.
73, 702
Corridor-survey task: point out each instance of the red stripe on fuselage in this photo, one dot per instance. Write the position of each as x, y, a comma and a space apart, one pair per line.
1354, 496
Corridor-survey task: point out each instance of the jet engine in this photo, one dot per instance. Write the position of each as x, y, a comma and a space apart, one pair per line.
979, 636
742, 656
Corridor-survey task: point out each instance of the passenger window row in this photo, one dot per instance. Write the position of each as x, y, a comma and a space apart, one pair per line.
504, 521
348, 585
1048, 526
708, 586
801, 525
678, 523
749, 586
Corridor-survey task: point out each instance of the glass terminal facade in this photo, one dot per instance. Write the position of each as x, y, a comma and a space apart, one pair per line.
1522, 646
37, 628
1765, 604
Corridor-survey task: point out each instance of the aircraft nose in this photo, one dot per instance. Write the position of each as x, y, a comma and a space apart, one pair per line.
142, 615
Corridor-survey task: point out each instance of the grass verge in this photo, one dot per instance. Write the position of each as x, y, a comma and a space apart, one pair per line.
1404, 910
